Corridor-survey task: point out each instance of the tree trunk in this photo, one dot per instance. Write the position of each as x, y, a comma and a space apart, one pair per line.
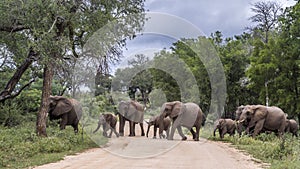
44, 107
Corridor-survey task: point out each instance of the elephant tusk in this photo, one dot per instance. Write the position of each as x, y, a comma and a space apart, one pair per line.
241, 121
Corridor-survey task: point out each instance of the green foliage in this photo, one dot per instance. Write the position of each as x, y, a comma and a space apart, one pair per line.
280, 153
20, 146
11, 114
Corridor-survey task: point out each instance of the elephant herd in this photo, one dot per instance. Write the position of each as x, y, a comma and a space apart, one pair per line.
251, 119
256, 119
173, 115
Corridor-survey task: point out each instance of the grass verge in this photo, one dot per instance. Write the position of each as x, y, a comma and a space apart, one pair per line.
279, 153
20, 147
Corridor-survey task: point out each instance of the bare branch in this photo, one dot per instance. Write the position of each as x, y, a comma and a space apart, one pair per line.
13, 28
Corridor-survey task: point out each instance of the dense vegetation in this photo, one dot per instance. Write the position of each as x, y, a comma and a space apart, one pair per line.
268, 148
41, 42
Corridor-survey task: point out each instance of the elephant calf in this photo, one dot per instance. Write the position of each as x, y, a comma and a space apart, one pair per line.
225, 126
108, 121
154, 121
291, 126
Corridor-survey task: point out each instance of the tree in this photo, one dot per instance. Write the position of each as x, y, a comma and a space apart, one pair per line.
56, 31
266, 17
135, 79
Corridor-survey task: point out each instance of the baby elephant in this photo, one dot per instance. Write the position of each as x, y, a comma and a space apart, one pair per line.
154, 121
108, 121
225, 126
291, 126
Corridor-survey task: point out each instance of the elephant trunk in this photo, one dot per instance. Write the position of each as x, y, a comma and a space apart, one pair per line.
215, 131
97, 128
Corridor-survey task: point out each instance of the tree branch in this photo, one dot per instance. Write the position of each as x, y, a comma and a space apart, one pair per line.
13, 28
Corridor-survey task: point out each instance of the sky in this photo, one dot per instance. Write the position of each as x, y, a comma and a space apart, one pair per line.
207, 16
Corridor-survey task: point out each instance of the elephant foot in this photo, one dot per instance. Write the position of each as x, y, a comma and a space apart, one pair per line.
170, 138
196, 139
121, 134
184, 138
117, 135
131, 135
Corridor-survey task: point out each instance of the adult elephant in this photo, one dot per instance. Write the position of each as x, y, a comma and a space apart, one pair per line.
133, 112
263, 117
67, 109
225, 126
292, 127
240, 127
188, 115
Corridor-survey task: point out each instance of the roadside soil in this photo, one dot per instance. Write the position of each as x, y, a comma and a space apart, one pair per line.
147, 153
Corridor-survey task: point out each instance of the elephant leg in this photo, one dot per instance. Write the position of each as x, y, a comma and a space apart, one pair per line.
131, 128
63, 122
111, 130
121, 125
142, 129
193, 133
155, 129
167, 132
224, 131
75, 126
197, 133
181, 133
172, 132
258, 127
115, 131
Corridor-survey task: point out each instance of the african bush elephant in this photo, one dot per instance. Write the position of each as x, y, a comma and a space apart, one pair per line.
225, 126
108, 121
67, 109
292, 127
241, 126
154, 121
188, 115
263, 117
133, 112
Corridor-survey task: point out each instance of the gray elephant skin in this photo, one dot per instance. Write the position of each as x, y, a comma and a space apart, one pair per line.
291, 126
67, 109
263, 118
133, 112
188, 115
225, 126
154, 121
108, 121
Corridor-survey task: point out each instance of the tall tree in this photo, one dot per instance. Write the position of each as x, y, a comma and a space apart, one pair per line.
265, 16
54, 29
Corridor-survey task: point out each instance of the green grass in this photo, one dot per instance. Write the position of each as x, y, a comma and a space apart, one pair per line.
20, 147
279, 153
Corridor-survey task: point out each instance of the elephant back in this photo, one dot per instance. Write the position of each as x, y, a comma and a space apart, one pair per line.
132, 110
77, 107
191, 113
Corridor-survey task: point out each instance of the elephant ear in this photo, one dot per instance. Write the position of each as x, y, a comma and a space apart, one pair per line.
63, 105
137, 105
221, 121
108, 117
259, 112
176, 109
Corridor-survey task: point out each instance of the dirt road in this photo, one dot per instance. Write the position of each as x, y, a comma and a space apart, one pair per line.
146, 153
